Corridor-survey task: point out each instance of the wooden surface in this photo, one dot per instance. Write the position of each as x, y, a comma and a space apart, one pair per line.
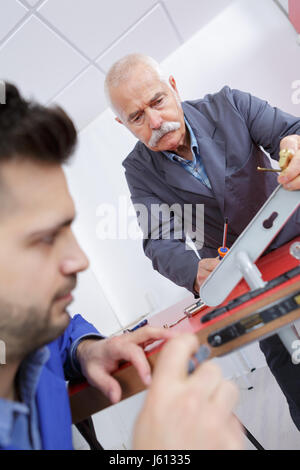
86, 400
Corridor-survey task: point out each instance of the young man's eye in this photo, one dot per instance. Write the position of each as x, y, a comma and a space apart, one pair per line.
49, 239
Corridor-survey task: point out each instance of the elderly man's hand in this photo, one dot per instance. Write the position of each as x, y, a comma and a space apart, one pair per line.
205, 267
184, 411
290, 177
100, 358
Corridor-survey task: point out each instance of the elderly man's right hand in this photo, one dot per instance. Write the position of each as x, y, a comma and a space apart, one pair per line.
205, 267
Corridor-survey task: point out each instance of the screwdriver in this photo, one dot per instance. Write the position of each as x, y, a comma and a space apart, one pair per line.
136, 327
223, 249
285, 156
272, 170
200, 356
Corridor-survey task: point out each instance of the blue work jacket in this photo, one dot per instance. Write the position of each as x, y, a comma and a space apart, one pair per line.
52, 400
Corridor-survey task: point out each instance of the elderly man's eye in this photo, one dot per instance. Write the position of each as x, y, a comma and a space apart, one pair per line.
159, 102
137, 118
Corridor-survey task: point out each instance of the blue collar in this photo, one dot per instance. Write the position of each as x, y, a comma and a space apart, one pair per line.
28, 376
30, 371
194, 147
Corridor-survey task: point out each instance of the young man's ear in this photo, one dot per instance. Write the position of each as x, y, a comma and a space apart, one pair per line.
118, 120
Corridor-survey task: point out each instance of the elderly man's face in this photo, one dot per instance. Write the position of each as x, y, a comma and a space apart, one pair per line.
150, 109
39, 255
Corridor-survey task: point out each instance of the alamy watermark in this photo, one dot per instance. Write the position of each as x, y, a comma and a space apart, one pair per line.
154, 221
2, 353
2, 92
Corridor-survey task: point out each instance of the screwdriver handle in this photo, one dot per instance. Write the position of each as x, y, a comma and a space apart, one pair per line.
222, 251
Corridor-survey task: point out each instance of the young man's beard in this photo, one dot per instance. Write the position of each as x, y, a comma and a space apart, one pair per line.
24, 330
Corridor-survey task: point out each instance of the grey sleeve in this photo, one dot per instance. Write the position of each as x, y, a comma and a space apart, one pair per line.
267, 125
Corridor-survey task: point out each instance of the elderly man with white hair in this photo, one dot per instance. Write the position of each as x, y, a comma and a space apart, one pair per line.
204, 152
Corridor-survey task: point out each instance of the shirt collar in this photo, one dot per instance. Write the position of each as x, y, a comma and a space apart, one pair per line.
30, 371
28, 377
194, 145
8, 411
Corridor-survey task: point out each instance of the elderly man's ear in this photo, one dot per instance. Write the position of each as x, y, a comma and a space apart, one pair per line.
173, 83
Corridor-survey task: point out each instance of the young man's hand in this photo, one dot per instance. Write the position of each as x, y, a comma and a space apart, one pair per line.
100, 358
184, 411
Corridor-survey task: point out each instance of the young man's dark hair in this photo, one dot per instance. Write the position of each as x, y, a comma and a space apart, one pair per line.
29, 129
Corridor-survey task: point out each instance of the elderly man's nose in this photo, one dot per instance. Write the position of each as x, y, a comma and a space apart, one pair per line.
155, 119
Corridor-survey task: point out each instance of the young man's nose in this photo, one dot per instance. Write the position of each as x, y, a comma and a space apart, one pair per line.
75, 260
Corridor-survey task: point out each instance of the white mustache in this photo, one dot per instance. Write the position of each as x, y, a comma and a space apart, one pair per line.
157, 134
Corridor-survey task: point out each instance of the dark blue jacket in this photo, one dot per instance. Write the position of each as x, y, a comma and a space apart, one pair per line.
230, 127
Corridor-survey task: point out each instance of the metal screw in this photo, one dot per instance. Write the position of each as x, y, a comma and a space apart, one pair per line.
217, 340
295, 250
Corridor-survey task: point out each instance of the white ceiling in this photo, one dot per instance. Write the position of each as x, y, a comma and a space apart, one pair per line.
284, 4
59, 50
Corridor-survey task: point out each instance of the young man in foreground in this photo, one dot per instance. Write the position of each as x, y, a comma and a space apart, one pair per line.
40, 260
